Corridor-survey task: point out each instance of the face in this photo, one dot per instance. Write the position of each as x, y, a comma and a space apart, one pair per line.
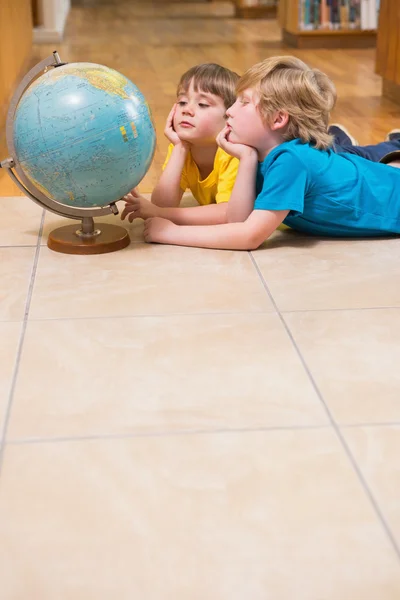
245, 122
199, 116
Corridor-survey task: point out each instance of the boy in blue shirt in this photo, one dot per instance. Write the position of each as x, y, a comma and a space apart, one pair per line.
288, 172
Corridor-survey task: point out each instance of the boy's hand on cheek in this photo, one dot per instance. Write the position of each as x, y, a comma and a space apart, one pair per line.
159, 230
170, 132
239, 151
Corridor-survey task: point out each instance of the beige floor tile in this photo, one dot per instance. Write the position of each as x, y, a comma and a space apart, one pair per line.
277, 515
377, 451
15, 273
304, 273
146, 279
113, 376
354, 357
9, 338
19, 221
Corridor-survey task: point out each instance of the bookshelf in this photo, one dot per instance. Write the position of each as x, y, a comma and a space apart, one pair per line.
329, 23
256, 9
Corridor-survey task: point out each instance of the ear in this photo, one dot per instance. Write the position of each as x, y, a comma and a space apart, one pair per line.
279, 120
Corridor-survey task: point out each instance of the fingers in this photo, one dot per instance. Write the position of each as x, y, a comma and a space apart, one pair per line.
135, 192
222, 136
127, 211
131, 210
133, 196
171, 115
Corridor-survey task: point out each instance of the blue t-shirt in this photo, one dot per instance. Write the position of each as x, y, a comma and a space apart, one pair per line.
328, 193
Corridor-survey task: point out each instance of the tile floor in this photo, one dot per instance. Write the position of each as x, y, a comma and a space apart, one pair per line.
184, 424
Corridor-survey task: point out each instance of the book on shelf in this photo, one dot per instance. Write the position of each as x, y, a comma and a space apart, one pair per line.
338, 14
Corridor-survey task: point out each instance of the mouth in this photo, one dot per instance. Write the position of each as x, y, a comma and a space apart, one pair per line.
185, 124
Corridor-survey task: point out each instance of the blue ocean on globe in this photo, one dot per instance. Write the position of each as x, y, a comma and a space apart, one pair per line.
84, 135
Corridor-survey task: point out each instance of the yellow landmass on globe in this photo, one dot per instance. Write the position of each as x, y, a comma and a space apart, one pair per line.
108, 81
104, 79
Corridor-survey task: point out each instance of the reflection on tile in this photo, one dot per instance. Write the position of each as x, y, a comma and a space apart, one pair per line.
277, 515
15, 272
19, 221
146, 279
377, 451
160, 374
305, 273
354, 357
9, 338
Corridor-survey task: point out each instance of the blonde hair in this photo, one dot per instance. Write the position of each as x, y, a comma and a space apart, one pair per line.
286, 83
211, 78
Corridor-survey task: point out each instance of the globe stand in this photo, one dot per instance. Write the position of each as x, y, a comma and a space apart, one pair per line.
88, 240
69, 239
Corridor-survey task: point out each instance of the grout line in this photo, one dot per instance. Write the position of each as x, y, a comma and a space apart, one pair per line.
152, 315
333, 423
170, 433
7, 414
341, 309
383, 424
18, 246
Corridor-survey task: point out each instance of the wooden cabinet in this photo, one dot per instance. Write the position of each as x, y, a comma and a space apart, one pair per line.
323, 24
16, 32
15, 48
388, 48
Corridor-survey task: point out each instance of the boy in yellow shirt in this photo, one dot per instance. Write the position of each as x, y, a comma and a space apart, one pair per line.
194, 160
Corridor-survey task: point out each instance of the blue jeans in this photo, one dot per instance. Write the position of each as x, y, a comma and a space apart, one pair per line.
374, 152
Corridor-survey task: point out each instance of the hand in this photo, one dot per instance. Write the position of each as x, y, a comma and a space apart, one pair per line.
239, 151
170, 132
136, 206
159, 230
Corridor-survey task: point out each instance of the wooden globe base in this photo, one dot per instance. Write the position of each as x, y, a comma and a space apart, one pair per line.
106, 238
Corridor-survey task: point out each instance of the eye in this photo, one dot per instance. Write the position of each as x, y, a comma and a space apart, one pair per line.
202, 105
182, 102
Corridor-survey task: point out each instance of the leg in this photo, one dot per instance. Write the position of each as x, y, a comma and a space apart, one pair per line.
342, 137
375, 152
393, 136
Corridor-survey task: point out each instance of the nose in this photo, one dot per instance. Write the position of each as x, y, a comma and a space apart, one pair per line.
188, 109
229, 112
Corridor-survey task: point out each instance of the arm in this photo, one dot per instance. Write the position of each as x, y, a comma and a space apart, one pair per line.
139, 207
168, 191
211, 214
247, 235
241, 201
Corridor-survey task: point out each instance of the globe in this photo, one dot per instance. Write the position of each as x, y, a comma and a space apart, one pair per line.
83, 135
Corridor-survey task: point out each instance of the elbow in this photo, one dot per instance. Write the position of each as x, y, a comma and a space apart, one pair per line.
254, 241
252, 245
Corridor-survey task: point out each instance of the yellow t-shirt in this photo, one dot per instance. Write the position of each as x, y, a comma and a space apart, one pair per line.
218, 186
